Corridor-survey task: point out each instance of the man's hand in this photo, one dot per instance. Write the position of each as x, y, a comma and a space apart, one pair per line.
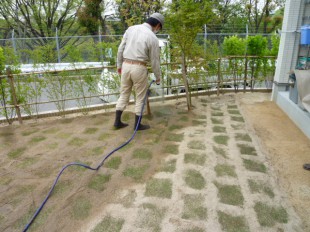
157, 81
119, 71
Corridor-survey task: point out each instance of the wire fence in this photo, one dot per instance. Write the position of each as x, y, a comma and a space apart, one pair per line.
100, 48
39, 94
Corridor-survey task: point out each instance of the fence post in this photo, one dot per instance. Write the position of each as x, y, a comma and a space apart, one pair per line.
11, 80
57, 46
148, 106
218, 76
245, 73
205, 39
13, 42
100, 41
246, 58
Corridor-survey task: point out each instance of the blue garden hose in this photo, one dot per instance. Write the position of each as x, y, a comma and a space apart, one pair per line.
86, 166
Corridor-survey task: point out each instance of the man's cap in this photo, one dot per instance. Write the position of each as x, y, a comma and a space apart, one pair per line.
159, 17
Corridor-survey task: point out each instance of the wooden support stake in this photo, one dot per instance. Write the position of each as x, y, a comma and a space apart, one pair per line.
11, 80
148, 107
218, 76
245, 74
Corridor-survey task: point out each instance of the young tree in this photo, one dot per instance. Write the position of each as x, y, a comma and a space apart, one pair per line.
2, 61
184, 20
3, 88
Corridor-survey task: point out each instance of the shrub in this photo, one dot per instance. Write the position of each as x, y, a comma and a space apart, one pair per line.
275, 42
257, 45
234, 46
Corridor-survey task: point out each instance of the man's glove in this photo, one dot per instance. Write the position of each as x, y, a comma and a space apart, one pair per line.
119, 71
157, 81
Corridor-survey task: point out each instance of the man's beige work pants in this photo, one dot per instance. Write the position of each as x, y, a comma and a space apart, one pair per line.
133, 75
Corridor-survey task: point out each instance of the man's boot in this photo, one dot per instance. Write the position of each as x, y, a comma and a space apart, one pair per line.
118, 124
140, 126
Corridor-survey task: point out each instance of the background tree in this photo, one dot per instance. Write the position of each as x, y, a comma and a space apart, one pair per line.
41, 18
184, 20
274, 22
89, 16
230, 17
4, 30
233, 16
94, 15
133, 12
259, 13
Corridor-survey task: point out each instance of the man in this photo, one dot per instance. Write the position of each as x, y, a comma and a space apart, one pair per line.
139, 46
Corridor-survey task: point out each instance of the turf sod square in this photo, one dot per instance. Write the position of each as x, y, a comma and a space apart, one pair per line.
109, 224
169, 166
161, 188
193, 207
195, 158
219, 129
142, 153
225, 170
196, 144
230, 194
136, 172
246, 149
171, 149
254, 166
270, 215
243, 137
150, 217
98, 181
257, 186
232, 223
194, 179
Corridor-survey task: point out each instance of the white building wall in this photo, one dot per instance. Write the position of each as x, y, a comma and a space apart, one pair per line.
289, 44
296, 14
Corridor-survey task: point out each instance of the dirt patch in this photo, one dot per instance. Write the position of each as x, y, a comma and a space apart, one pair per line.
156, 174
286, 147
33, 154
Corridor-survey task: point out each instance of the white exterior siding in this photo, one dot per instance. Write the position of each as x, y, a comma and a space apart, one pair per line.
296, 14
290, 39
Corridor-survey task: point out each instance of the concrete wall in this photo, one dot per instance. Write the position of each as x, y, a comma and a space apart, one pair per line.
296, 14
289, 44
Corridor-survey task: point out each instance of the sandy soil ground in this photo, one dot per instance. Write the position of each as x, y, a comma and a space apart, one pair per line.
118, 196
286, 147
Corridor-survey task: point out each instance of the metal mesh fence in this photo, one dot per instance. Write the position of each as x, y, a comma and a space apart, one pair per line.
80, 90
38, 93
86, 48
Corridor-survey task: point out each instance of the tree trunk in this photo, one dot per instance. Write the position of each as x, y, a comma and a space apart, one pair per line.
184, 72
267, 13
